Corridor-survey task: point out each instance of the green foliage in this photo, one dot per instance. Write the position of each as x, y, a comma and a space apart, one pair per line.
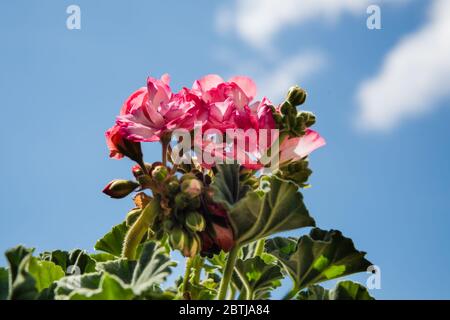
320, 256
4, 283
344, 290
143, 275
30, 277
74, 261
258, 277
254, 213
281, 209
112, 241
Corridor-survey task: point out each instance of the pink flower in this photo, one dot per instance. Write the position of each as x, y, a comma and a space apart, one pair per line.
293, 149
225, 103
119, 146
228, 105
149, 113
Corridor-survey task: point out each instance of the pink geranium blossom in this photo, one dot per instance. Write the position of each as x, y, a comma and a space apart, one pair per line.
293, 149
151, 112
228, 105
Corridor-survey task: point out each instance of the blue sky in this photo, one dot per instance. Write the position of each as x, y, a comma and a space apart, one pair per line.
381, 98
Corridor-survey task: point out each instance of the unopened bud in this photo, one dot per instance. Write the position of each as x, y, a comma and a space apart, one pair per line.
118, 189
308, 118
159, 173
181, 201
192, 247
173, 186
296, 96
178, 239
168, 225
137, 171
192, 187
195, 221
195, 203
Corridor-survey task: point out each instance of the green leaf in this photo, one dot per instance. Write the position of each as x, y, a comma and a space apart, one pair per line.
344, 290
260, 278
314, 292
102, 257
44, 273
22, 285
31, 278
112, 241
206, 290
152, 268
227, 188
281, 209
110, 288
76, 261
349, 290
320, 256
4, 283
77, 283
15, 256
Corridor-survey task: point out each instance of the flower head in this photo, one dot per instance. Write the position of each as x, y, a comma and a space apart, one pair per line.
151, 112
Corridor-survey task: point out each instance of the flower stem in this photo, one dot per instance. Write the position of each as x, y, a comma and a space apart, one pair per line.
187, 274
228, 272
260, 247
198, 269
137, 231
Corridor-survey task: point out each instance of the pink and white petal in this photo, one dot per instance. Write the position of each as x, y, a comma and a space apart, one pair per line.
135, 100
246, 84
208, 82
165, 78
298, 148
139, 133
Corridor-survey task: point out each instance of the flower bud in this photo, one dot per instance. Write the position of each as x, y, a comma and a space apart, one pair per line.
181, 201
159, 173
193, 246
118, 189
296, 96
195, 221
308, 118
195, 203
119, 146
168, 225
178, 238
192, 187
173, 186
137, 171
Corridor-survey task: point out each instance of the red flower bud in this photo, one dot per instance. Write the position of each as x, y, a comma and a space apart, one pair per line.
118, 189
119, 146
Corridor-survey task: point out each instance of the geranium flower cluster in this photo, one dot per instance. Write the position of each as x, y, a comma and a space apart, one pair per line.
190, 217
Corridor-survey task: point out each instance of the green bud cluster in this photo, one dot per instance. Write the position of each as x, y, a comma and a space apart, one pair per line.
186, 220
297, 172
288, 119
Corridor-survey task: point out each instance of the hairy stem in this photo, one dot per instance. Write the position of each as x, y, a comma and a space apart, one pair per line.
137, 231
187, 274
260, 247
198, 269
228, 272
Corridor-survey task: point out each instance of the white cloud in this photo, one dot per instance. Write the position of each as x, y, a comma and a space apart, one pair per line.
275, 82
258, 21
414, 77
